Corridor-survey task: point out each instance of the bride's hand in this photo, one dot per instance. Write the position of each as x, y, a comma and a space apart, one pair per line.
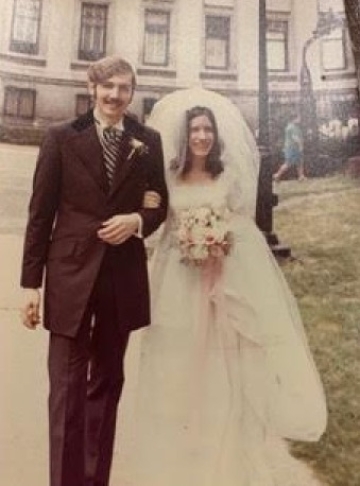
151, 200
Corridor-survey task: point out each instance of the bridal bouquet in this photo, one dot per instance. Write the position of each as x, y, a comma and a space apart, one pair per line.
203, 233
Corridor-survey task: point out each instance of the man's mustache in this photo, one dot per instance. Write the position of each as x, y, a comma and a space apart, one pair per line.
113, 102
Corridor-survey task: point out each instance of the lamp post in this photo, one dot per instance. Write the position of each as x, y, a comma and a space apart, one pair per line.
266, 199
308, 114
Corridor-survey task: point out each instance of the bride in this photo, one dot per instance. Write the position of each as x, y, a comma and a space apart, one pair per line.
225, 371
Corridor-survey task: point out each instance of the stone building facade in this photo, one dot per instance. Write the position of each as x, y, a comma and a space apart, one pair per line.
46, 47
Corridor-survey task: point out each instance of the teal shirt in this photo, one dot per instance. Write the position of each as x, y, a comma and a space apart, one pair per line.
293, 143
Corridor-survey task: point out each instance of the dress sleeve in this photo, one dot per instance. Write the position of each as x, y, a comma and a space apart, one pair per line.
239, 199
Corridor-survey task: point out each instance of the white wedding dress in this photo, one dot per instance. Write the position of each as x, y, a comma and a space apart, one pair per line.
225, 371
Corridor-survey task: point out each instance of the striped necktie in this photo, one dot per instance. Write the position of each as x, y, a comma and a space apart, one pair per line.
111, 140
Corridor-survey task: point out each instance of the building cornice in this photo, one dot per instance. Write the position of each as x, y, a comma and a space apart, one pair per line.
283, 77
24, 60
7, 75
222, 76
79, 66
338, 76
162, 73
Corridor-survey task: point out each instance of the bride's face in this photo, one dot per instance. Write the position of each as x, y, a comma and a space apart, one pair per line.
201, 137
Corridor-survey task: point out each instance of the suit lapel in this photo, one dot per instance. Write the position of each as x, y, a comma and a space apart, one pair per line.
126, 158
87, 146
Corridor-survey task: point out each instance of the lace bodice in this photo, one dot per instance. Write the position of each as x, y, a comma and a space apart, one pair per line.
184, 196
220, 193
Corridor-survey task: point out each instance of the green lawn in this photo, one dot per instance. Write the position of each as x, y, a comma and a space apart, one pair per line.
320, 220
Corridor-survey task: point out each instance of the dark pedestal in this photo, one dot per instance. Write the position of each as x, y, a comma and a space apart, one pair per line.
266, 200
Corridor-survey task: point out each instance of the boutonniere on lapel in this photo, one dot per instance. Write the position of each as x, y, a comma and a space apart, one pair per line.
137, 147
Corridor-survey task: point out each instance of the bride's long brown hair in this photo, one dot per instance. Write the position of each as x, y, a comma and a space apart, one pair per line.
213, 164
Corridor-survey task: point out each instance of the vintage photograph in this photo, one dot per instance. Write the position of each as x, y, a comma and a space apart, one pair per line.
179, 242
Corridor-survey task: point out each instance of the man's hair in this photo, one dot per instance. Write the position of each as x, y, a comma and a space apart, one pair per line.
103, 69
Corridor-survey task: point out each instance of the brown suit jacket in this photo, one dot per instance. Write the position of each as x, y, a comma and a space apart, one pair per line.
71, 197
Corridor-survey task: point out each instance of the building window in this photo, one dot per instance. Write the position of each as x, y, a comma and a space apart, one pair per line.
83, 104
217, 41
157, 38
333, 51
277, 44
92, 44
19, 103
26, 26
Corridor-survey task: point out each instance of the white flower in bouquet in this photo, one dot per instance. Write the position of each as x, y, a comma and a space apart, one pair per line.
203, 215
187, 218
198, 253
182, 233
215, 234
203, 234
198, 234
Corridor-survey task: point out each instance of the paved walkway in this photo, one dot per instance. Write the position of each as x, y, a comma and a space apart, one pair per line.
23, 403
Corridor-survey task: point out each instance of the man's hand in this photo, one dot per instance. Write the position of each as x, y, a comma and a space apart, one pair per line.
151, 200
30, 314
119, 228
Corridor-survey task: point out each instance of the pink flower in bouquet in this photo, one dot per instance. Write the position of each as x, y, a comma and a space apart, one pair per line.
203, 234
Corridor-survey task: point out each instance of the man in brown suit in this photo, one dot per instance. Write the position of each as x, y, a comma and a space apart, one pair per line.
93, 201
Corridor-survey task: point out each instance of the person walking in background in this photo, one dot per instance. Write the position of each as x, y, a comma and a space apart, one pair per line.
293, 150
88, 214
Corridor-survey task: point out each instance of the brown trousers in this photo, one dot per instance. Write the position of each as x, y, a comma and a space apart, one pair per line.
86, 379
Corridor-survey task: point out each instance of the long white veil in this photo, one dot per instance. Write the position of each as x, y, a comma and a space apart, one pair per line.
240, 155
298, 406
